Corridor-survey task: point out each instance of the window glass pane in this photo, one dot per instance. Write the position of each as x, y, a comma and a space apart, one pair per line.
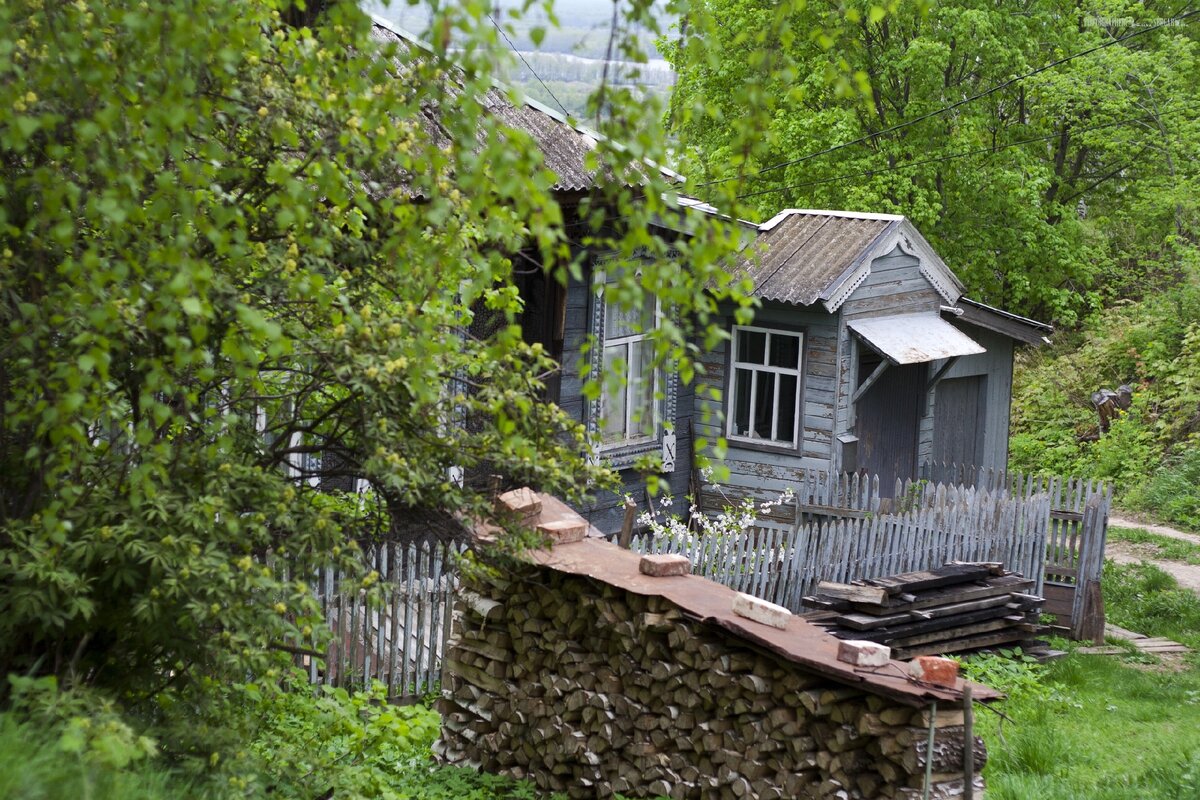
641, 389
785, 350
741, 402
751, 347
764, 405
620, 321
612, 405
786, 431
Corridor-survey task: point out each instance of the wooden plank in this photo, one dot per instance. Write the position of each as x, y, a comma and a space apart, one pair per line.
1002, 585
959, 645
975, 629
945, 627
948, 575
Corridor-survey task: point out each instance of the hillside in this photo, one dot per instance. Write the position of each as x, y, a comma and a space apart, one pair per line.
1151, 451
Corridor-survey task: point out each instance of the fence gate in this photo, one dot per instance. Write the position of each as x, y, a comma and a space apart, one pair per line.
1074, 548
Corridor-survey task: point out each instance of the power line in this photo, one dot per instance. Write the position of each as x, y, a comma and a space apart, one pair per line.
513, 47
1172, 21
870, 173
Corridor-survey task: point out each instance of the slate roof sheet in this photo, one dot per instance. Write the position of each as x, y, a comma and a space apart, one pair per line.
564, 145
801, 254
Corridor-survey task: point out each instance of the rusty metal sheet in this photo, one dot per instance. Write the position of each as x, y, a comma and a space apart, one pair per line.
801, 642
915, 338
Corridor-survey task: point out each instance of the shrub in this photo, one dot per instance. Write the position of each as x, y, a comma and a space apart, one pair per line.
1173, 491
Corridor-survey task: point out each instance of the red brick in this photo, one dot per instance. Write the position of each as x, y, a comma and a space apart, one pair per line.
564, 531
664, 566
934, 669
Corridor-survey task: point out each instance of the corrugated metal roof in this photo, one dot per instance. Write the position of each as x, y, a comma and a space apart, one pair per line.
564, 145
915, 338
801, 254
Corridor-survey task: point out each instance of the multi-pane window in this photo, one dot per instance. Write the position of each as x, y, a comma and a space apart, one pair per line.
764, 394
628, 411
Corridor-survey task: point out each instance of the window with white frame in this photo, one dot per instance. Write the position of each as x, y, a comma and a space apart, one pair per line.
628, 407
764, 388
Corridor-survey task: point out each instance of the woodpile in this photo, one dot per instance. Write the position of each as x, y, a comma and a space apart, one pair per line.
950, 609
589, 689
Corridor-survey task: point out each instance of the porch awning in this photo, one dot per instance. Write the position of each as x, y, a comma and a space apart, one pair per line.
915, 338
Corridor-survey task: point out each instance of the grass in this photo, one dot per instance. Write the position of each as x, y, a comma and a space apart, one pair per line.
1104, 728
1163, 547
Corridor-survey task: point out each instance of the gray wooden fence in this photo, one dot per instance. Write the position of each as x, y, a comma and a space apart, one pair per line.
1075, 545
944, 523
399, 643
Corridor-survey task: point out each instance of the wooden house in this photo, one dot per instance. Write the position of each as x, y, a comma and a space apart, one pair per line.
864, 355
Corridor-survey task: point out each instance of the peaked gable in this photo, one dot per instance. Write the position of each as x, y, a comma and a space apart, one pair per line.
803, 256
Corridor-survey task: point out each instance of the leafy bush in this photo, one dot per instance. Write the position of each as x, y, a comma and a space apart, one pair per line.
313, 742
1009, 670
1172, 492
1154, 346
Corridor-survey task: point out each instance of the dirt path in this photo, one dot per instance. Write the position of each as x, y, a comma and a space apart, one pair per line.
1188, 575
1122, 521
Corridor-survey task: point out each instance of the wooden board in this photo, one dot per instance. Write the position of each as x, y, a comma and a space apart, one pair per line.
947, 626
989, 626
959, 645
995, 586
948, 575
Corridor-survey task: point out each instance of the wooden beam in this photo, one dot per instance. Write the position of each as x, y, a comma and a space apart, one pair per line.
870, 381
941, 373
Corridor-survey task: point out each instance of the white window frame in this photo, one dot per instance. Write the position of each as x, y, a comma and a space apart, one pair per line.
756, 370
627, 385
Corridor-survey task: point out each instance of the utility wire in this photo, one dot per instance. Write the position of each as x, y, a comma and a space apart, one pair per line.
870, 173
513, 47
1172, 21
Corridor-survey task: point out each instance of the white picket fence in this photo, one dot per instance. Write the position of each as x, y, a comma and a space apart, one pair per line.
783, 564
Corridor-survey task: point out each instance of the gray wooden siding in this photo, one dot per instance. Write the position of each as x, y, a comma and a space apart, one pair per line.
895, 286
997, 365
765, 472
606, 511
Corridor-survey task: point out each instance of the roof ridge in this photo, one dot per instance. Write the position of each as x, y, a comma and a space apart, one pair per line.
813, 212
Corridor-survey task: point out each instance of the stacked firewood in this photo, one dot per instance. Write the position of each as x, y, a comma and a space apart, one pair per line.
950, 609
589, 689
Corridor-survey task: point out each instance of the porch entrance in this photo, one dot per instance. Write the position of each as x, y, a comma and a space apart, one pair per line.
888, 419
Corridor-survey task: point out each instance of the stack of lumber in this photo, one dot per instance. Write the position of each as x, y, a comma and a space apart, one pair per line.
949, 609
589, 689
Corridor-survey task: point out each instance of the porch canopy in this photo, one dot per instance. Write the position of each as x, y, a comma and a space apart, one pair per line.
915, 338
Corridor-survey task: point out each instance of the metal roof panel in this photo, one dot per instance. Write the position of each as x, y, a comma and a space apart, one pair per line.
915, 338
801, 254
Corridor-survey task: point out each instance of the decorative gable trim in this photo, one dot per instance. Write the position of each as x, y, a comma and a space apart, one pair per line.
904, 236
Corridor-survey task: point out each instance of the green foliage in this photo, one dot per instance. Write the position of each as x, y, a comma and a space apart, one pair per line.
243, 234
1144, 598
314, 741
1049, 196
1172, 492
1011, 671
1151, 451
88, 726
